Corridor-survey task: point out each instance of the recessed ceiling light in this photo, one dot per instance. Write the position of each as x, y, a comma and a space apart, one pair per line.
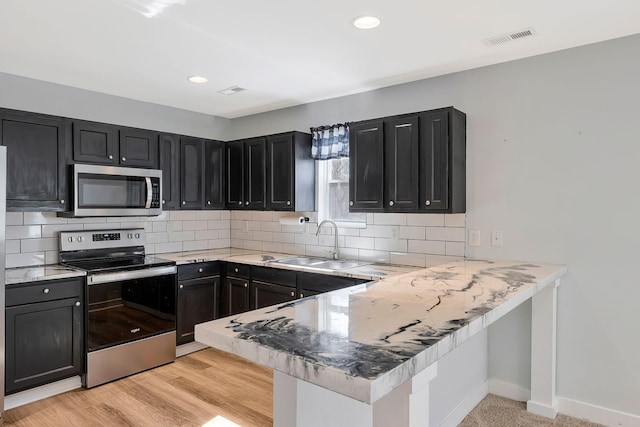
366, 22
198, 79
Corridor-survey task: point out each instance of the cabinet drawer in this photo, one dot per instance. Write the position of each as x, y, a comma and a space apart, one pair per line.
238, 270
322, 282
198, 269
274, 275
48, 290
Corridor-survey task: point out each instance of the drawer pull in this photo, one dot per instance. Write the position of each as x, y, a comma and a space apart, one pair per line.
235, 269
200, 270
124, 159
46, 290
427, 202
293, 294
301, 295
246, 285
181, 286
77, 303
110, 157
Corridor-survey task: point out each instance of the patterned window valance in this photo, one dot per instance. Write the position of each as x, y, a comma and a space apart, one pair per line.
330, 142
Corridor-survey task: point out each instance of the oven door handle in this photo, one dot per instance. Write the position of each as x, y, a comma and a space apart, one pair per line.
147, 205
94, 279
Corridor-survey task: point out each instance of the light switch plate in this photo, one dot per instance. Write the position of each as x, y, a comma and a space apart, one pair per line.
496, 238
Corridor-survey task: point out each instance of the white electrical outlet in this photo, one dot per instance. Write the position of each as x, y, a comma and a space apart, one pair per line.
496, 238
474, 238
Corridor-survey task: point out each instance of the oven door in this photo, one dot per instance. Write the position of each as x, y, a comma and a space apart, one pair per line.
130, 305
114, 191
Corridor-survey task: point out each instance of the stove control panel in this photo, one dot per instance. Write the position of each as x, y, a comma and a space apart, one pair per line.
98, 239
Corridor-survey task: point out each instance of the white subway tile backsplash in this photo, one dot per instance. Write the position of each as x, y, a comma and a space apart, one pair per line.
39, 245
253, 225
348, 253
218, 224
426, 247
104, 226
23, 231
157, 237
262, 216
264, 236
272, 247
390, 219
255, 245
318, 251
293, 249
168, 247
20, 260
174, 226
224, 234
455, 220
195, 245
447, 234
39, 218
241, 235
51, 257
12, 246
159, 227
194, 225
207, 235
241, 215
329, 240
411, 232
208, 215
433, 260
78, 221
284, 237
404, 258
183, 215
219, 243
426, 220
226, 215
235, 224
306, 239
274, 227
181, 236
387, 231
359, 242
14, 218
374, 256
455, 248
397, 245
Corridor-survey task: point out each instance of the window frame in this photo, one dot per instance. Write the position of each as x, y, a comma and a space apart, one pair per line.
322, 196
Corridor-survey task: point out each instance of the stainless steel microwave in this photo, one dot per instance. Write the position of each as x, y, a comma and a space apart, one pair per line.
114, 191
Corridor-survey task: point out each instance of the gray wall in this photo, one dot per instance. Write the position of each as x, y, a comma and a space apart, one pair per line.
21, 93
552, 161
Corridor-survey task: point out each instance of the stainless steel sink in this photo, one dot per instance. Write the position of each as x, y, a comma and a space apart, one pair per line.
320, 263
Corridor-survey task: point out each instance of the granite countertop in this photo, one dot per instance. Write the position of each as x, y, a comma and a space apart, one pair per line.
372, 271
18, 275
366, 340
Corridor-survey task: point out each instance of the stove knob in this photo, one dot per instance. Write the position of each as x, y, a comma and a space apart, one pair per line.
137, 235
70, 239
130, 235
80, 239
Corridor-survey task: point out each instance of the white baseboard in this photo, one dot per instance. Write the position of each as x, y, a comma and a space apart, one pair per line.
572, 408
191, 347
509, 390
462, 410
42, 392
597, 414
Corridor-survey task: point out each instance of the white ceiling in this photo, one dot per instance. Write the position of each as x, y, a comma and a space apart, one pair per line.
285, 52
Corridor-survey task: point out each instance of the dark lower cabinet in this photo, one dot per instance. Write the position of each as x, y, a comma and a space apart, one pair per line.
235, 296
266, 294
198, 297
44, 333
37, 149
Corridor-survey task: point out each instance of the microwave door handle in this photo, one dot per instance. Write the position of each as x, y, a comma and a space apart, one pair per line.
149, 192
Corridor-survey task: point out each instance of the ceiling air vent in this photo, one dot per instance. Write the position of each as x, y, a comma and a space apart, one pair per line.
506, 38
231, 90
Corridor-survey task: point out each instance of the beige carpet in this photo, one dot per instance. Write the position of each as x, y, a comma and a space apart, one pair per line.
496, 411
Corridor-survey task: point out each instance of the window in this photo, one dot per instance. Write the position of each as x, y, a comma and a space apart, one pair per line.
333, 194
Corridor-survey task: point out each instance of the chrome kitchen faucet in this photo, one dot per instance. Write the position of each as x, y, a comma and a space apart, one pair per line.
334, 253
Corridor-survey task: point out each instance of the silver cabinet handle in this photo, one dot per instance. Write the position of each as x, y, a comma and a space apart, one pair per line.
181, 286
46, 290
391, 203
208, 202
124, 159
246, 285
246, 203
427, 202
301, 295
77, 303
200, 270
240, 202
235, 269
62, 202
293, 294
110, 157
184, 203
351, 203
163, 202
288, 203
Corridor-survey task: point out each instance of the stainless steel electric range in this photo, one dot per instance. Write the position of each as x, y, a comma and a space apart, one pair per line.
130, 299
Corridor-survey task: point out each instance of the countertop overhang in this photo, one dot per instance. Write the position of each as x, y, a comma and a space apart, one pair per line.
366, 340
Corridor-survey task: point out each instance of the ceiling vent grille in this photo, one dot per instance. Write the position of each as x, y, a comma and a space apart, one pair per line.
506, 38
232, 90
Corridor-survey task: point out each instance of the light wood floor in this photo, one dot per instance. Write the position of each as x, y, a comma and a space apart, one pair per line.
190, 392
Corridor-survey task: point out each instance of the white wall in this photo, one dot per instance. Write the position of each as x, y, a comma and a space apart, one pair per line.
21, 93
552, 161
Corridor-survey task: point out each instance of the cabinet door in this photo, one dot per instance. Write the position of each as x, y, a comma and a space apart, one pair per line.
213, 175
139, 148
366, 174
44, 343
235, 296
280, 173
256, 177
265, 294
434, 161
95, 143
234, 153
37, 147
169, 163
401, 139
191, 173
197, 303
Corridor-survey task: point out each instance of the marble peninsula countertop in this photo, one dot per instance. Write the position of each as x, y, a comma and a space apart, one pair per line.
371, 271
366, 340
17, 275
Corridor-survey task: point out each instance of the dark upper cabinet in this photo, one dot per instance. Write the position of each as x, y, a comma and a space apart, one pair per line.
234, 154
95, 143
409, 163
366, 166
214, 176
290, 172
401, 139
246, 174
191, 173
169, 158
114, 145
37, 150
138, 148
